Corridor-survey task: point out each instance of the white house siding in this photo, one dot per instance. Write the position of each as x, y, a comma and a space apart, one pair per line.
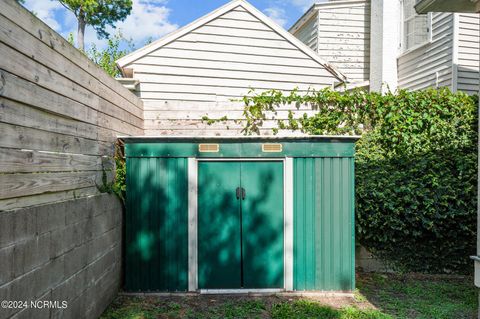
339, 31
344, 37
430, 65
468, 53
201, 72
308, 32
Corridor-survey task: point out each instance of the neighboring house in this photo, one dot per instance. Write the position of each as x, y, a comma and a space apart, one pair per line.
339, 31
202, 67
389, 45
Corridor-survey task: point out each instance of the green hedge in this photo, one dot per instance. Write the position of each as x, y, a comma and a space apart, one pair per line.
416, 169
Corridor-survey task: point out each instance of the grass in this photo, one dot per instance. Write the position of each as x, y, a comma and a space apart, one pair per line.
379, 296
421, 296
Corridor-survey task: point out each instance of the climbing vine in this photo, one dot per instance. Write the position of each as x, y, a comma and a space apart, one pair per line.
416, 167
117, 185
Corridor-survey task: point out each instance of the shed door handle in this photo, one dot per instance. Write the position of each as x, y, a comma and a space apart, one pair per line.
238, 192
243, 193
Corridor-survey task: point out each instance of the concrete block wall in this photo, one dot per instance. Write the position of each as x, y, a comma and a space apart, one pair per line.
67, 251
366, 262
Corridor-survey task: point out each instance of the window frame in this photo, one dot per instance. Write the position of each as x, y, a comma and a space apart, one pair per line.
403, 21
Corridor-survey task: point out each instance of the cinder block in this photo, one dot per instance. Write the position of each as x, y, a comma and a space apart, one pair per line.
24, 226
38, 313
47, 277
76, 309
31, 253
51, 217
72, 287
105, 297
101, 244
77, 212
96, 205
75, 260
109, 283
23, 288
19, 259
58, 242
56, 216
6, 265
84, 231
104, 222
106, 202
5, 295
6, 229
65, 239
98, 268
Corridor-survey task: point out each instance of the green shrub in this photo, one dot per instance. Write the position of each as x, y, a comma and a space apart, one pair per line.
416, 169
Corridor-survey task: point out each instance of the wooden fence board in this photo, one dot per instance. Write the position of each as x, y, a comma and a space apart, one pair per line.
27, 161
19, 137
39, 199
24, 115
35, 27
18, 89
60, 115
21, 90
17, 185
22, 66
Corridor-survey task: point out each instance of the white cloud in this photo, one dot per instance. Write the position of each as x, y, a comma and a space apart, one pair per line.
277, 14
148, 19
45, 11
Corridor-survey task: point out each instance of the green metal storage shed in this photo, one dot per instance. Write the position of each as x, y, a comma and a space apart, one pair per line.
239, 214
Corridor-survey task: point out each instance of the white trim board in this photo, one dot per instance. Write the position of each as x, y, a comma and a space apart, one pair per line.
192, 225
239, 291
122, 62
193, 222
455, 49
253, 292
288, 224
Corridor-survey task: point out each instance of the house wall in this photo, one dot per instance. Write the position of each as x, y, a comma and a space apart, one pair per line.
430, 65
344, 37
308, 32
60, 237
339, 31
385, 30
201, 72
468, 52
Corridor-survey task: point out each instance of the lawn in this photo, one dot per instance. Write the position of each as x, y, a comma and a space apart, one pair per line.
379, 296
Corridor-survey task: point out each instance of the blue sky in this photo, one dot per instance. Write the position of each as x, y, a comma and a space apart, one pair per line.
156, 18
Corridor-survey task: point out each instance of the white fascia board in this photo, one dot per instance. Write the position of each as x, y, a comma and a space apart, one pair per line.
304, 18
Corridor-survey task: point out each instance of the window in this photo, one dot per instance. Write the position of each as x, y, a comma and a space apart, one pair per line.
416, 28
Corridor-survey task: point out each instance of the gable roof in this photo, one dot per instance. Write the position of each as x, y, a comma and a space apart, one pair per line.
217, 13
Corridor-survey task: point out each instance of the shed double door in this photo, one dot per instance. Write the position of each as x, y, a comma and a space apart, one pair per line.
240, 225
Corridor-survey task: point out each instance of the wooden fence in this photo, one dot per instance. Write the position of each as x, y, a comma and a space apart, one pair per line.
60, 114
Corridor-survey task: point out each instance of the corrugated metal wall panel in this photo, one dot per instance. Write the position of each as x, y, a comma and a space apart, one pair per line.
323, 224
156, 224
